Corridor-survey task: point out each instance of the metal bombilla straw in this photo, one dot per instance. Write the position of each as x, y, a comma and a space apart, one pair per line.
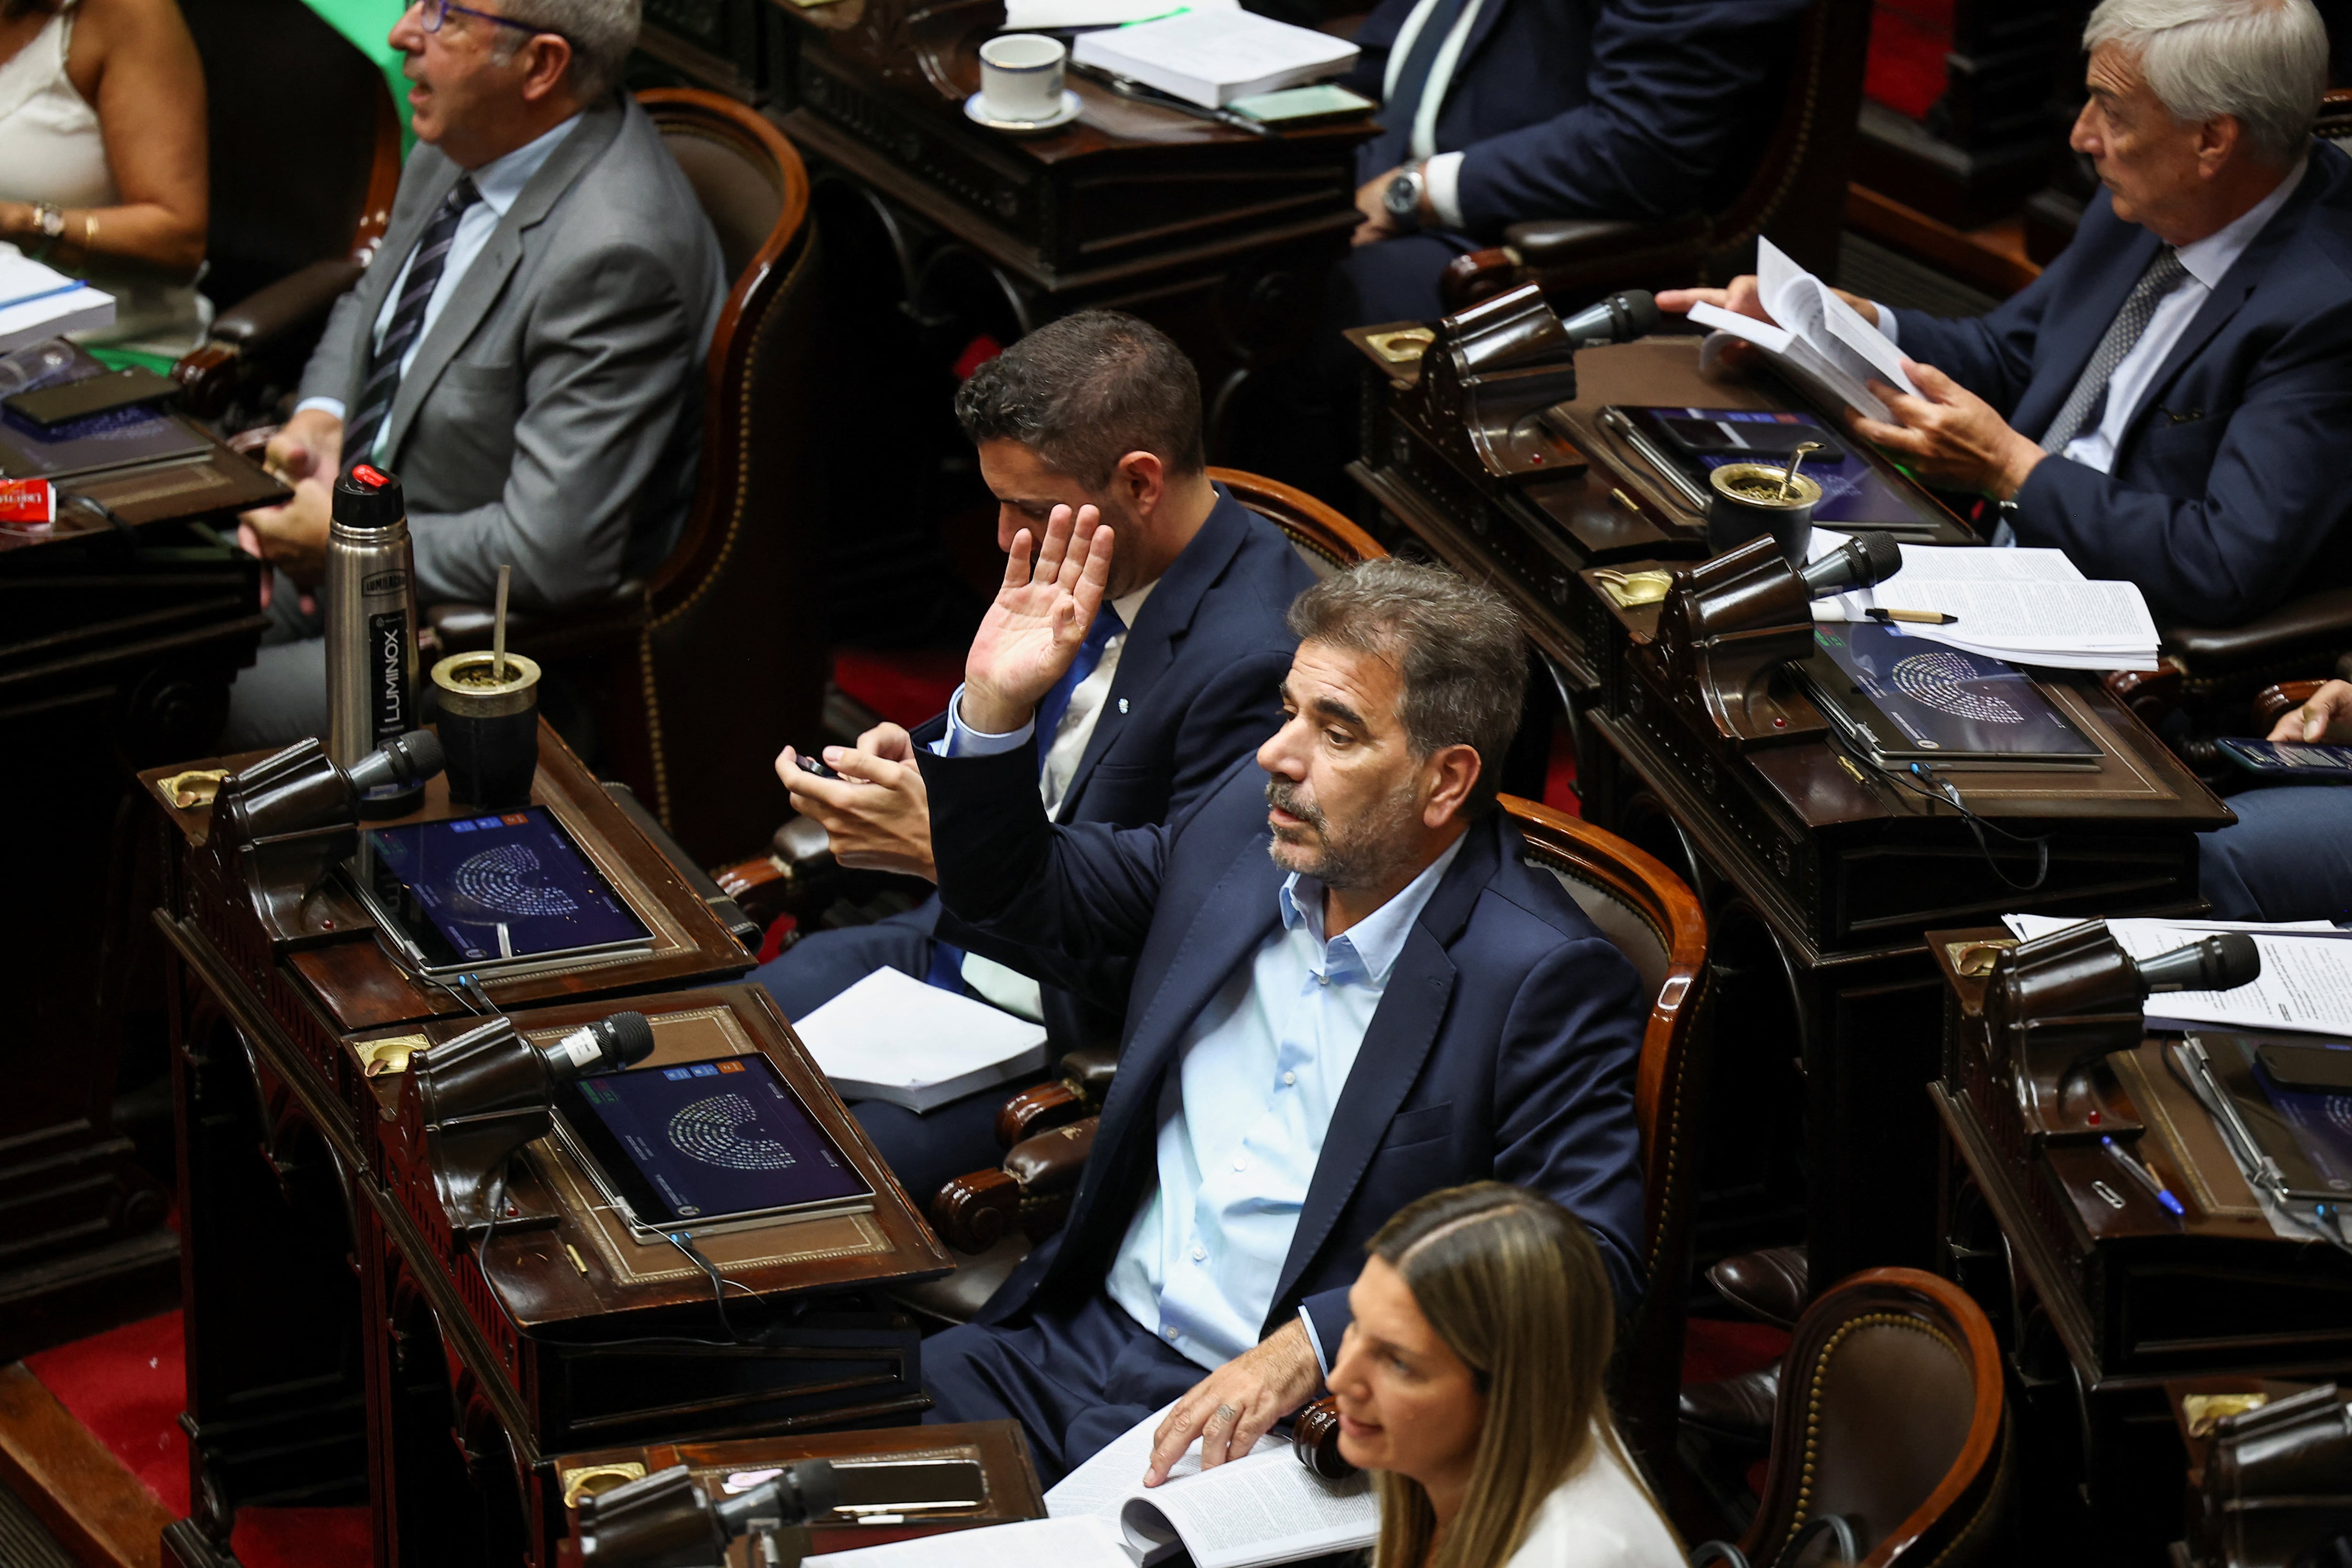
1788, 477
498, 627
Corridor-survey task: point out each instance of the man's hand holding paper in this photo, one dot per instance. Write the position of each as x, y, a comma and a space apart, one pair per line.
1950, 436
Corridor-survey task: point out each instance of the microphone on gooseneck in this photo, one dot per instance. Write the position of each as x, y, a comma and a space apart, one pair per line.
402, 762
607, 1045
2220, 963
1623, 317
1865, 561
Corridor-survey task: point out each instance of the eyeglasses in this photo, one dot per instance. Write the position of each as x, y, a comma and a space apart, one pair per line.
433, 13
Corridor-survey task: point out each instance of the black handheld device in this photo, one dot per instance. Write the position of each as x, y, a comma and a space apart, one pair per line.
811, 765
2309, 762
2309, 1068
93, 394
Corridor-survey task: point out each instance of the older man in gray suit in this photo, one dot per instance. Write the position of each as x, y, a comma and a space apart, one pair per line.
525, 352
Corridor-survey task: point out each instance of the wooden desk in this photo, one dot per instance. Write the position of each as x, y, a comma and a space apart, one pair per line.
2099, 1296
1007, 1471
338, 1333
1817, 877
117, 647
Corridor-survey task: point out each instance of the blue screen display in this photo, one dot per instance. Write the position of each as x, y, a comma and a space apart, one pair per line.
708, 1139
507, 884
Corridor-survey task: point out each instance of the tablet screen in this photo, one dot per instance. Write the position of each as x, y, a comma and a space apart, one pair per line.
694, 1143
509, 884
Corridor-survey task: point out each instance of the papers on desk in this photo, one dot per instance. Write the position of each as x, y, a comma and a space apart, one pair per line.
1211, 56
1820, 339
2028, 606
2306, 984
38, 301
1046, 16
892, 1036
1262, 1510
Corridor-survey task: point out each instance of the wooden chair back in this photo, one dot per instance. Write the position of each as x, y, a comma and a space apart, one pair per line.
1797, 194
1653, 918
1891, 1417
1325, 541
730, 654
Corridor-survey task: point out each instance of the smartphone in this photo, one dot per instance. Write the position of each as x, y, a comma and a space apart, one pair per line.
811, 765
2313, 1069
2312, 763
92, 394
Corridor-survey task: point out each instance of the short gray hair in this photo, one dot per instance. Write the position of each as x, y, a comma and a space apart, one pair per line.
1084, 392
2264, 61
1458, 649
601, 33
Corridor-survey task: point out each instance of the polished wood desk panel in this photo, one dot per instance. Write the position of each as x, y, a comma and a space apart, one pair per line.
340, 1337
2098, 1295
1007, 1472
117, 647
1817, 877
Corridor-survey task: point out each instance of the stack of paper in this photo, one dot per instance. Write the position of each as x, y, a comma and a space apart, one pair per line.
38, 302
2028, 606
1045, 15
2305, 983
1213, 57
1819, 339
891, 1037
1262, 1510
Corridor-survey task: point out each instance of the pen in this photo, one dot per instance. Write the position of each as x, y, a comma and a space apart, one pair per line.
1913, 616
2145, 1177
1142, 92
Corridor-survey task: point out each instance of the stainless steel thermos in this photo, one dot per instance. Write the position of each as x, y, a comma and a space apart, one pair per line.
371, 601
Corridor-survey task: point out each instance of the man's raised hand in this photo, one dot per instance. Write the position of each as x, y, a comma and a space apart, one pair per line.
1033, 631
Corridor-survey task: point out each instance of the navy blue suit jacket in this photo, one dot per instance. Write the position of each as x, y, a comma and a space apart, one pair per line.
2224, 496
1504, 1045
1197, 685
1609, 108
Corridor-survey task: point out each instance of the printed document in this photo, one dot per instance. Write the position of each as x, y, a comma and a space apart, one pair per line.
2305, 983
1045, 15
1213, 57
2028, 606
893, 1037
38, 302
1819, 337
1256, 1511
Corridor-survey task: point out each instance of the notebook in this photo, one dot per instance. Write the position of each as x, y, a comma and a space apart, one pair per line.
1213, 57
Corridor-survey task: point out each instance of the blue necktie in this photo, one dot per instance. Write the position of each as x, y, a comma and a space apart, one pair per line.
1393, 145
407, 320
947, 962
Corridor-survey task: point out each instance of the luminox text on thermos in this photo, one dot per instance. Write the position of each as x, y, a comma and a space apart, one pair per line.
370, 589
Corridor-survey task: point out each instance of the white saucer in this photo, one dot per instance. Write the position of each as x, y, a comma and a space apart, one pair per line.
979, 116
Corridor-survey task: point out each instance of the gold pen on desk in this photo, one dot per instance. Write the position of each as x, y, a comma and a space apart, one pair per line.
1912, 617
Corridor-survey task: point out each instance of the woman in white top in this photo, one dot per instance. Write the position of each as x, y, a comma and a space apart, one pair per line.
1470, 1381
102, 157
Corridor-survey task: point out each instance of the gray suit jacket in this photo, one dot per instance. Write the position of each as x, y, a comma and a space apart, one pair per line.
552, 416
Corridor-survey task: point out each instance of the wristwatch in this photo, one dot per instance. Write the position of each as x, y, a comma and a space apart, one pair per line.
1401, 200
51, 223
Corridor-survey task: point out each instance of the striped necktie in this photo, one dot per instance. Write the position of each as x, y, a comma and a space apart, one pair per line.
1393, 146
407, 322
2086, 404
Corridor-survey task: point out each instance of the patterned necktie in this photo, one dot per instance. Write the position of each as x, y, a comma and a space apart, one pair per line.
2086, 404
407, 320
1393, 146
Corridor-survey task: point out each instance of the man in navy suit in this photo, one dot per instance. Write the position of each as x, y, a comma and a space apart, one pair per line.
2167, 403
1097, 409
1349, 990
1495, 114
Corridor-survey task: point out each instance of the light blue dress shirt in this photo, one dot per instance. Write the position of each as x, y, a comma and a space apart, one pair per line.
501, 180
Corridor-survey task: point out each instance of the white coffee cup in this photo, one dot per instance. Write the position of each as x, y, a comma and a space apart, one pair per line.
1021, 77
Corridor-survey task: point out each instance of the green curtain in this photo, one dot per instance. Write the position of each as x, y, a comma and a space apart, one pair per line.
366, 24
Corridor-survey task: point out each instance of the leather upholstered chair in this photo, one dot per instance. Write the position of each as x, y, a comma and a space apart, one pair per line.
2212, 678
1796, 196
1895, 1424
1650, 916
797, 874
726, 627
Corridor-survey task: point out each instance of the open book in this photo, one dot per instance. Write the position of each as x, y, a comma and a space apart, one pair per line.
893, 1037
1821, 340
1262, 1510
2028, 606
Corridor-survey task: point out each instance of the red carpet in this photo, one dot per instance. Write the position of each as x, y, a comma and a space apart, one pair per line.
1909, 41
127, 1386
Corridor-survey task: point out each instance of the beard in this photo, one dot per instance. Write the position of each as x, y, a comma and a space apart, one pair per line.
1365, 851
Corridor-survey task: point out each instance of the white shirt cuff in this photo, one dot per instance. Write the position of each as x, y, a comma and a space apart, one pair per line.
1886, 325
1315, 1344
333, 405
1443, 174
962, 740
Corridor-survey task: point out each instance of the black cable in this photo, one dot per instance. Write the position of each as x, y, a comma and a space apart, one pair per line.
1945, 790
719, 1281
